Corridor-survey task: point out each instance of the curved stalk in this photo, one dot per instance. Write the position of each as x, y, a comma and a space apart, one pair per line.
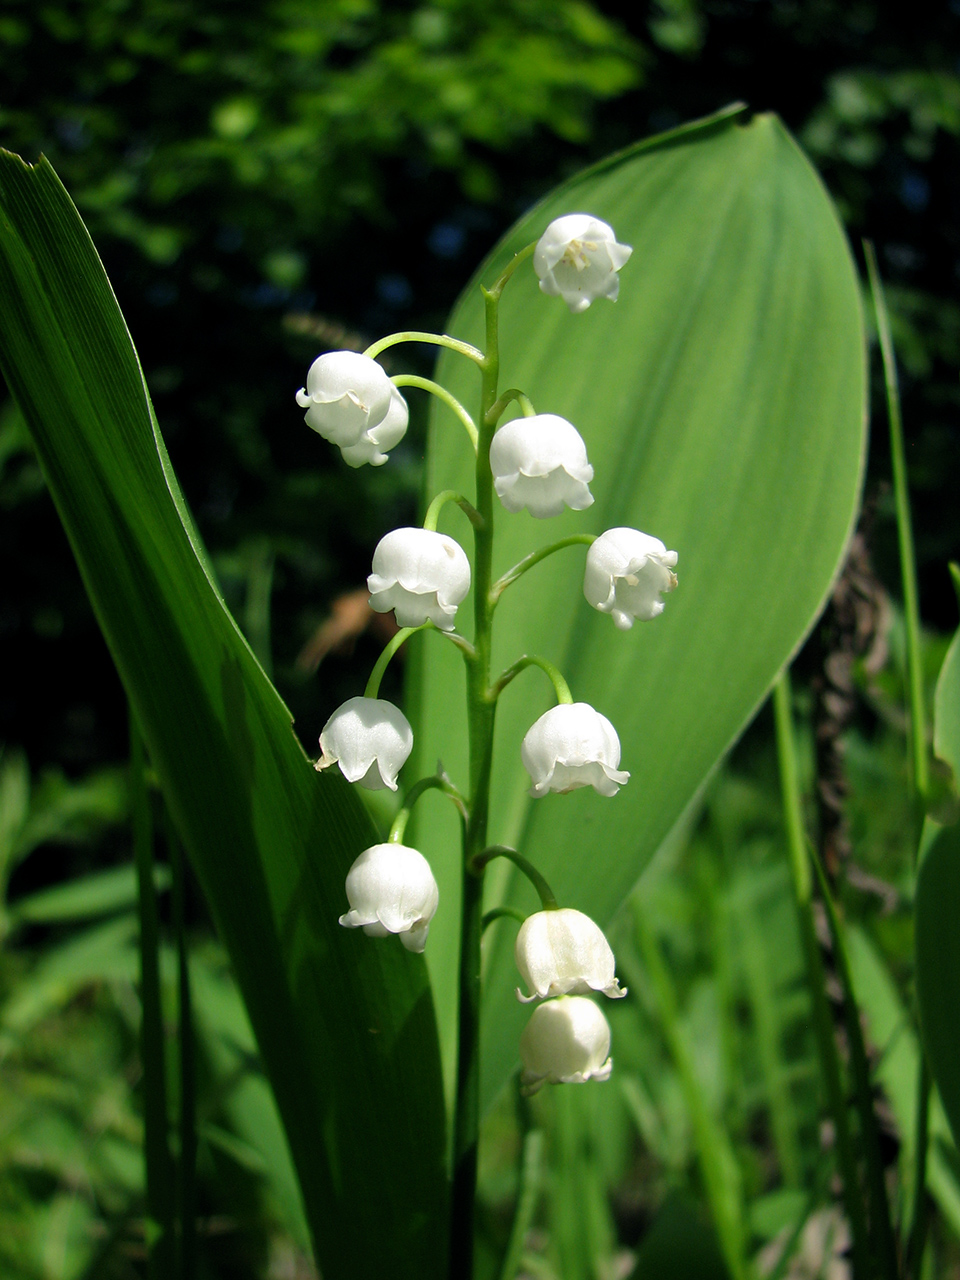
548, 898
434, 339
381, 664
521, 567
436, 782
497, 410
561, 688
441, 500
441, 392
502, 913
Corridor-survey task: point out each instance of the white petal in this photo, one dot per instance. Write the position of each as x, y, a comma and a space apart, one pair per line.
370, 739
391, 889
563, 952
572, 746
566, 1041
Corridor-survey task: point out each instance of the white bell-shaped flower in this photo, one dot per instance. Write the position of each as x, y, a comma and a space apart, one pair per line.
577, 259
626, 573
352, 403
561, 952
391, 889
571, 746
541, 463
370, 739
567, 1041
421, 575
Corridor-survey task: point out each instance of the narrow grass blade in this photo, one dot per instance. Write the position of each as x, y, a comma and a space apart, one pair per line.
159, 1164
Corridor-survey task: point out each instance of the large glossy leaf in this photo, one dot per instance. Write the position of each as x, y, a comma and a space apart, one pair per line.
722, 400
345, 1027
938, 909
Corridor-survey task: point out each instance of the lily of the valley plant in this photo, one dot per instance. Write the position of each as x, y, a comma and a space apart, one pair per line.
535, 462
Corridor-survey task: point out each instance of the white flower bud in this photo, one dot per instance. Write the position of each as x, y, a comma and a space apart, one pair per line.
420, 574
352, 403
541, 463
577, 259
370, 739
571, 746
391, 889
626, 573
567, 1041
561, 952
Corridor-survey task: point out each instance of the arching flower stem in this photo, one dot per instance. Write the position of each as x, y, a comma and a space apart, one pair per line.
502, 913
427, 384
547, 897
499, 408
441, 500
533, 660
376, 675
518, 258
436, 782
519, 569
434, 339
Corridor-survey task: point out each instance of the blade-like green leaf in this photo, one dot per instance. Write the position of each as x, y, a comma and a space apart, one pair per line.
722, 401
938, 909
345, 1026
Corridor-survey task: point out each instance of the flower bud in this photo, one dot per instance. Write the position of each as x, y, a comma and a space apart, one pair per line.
352, 403
562, 951
420, 574
567, 1041
370, 739
541, 463
577, 259
391, 889
571, 746
626, 573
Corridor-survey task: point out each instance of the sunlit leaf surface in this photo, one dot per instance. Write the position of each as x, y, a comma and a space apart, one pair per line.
722, 400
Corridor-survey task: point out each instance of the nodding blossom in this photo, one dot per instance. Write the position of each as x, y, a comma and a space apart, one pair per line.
571, 746
421, 575
567, 1041
391, 889
626, 573
352, 403
562, 952
541, 463
577, 259
370, 739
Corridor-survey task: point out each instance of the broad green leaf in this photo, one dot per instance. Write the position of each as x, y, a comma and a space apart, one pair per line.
722, 401
938, 909
345, 1027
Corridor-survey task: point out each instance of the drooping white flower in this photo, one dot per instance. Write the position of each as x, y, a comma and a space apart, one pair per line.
577, 259
420, 574
567, 1041
571, 746
541, 463
391, 889
370, 739
352, 403
562, 952
626, 573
